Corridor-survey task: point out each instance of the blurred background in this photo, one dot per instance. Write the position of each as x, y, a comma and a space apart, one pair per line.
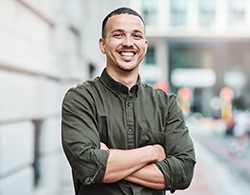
198, 49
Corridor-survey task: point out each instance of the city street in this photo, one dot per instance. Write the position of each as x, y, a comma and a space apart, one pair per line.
217, 172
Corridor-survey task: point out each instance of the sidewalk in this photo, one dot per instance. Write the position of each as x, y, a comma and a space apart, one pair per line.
219, 146
217, 172
201, 183
218, 143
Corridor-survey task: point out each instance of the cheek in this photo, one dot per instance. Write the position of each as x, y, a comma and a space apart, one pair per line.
142, 46
110, 49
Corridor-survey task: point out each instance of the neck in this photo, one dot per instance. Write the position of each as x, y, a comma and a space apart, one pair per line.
127, 78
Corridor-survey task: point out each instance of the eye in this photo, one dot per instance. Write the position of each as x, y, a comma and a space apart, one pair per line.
137, 36
118, 35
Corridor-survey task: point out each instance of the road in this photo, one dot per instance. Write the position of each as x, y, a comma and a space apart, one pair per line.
217, 172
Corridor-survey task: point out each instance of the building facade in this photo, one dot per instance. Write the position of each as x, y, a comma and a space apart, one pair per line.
199, 44
45, 48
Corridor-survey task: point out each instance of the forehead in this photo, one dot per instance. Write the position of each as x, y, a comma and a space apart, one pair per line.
125, 22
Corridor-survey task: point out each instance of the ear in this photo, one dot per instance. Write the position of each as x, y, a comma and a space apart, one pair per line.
102, 45
146, 42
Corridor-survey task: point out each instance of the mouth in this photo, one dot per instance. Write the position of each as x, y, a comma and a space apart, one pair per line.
127, 54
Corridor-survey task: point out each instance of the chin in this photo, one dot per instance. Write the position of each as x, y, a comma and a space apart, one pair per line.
127, 68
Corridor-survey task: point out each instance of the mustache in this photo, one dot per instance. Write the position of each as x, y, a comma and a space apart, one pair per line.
128, 47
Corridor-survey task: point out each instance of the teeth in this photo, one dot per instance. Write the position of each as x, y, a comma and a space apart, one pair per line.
127, 54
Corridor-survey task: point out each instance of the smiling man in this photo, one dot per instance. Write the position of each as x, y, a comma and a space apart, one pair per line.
121, 136
124, 43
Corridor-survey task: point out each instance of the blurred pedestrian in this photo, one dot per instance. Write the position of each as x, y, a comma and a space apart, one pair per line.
120, 135
240, 128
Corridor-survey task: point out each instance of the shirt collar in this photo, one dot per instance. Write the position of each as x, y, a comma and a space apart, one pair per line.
117, 87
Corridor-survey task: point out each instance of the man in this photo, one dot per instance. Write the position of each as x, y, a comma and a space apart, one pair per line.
120, 135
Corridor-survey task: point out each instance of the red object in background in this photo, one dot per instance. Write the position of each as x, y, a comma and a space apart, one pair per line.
162, 85
184, 93
226, 94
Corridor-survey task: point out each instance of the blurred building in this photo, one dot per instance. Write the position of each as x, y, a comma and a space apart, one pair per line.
200, 44
45, 47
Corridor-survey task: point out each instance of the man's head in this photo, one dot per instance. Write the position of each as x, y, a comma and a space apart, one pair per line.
123, 40
122, 10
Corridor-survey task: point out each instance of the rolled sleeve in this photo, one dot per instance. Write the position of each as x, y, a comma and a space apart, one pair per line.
92, 169
178, 172
180, 159
80, 138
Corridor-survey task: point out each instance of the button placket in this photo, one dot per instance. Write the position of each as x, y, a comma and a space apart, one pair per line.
130, 123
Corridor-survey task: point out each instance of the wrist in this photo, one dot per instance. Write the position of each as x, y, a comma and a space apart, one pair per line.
159, 153
151, 150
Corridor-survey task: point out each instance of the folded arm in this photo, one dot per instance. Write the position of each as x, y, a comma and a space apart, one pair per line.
136, 165
149, 176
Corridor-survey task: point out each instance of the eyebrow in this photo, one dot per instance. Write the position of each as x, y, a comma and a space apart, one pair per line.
121, 30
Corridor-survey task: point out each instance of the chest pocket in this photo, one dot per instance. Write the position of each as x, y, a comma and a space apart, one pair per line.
150, 137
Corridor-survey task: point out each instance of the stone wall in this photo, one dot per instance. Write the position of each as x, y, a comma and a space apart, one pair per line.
45, 48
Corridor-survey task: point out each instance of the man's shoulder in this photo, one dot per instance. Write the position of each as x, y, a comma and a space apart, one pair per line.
85, 88
88, 84
156, 91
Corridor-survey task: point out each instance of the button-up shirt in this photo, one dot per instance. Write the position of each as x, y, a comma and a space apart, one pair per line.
104, 110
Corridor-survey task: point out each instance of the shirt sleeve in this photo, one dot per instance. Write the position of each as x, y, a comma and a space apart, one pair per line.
179, 164
80, 138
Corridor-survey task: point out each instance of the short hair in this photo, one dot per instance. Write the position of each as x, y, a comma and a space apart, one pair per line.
122, 10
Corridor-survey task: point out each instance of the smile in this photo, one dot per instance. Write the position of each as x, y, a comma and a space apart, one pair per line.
127, 54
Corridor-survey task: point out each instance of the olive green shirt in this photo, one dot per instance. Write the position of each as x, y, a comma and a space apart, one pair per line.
104, 110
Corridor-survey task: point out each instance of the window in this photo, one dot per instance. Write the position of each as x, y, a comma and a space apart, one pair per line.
150, 58
178, 12
207, 12
236, 12
186, 57
92, 69
37, 155
149, 11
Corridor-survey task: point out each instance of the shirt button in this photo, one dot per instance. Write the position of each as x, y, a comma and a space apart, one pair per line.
129, 104
129, 130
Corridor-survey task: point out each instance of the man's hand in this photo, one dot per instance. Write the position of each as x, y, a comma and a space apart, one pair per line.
142, 173
103, 146
160, 151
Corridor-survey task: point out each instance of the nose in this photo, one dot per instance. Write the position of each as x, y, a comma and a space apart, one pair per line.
128, 41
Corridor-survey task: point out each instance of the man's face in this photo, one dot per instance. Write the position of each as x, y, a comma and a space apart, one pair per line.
124, 44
